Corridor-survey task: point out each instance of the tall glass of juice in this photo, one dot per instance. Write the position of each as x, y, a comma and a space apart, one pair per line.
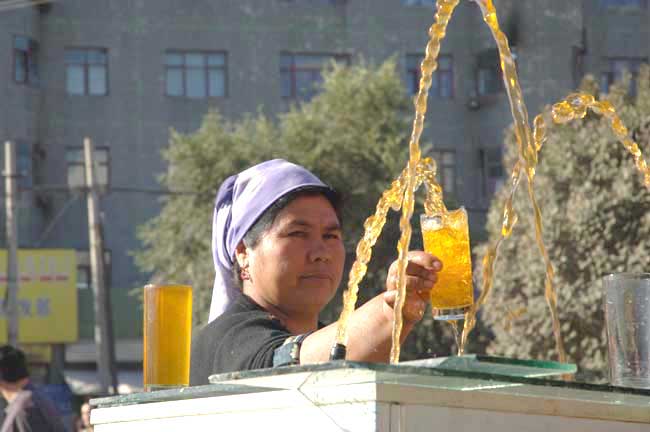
446, 236
167, 336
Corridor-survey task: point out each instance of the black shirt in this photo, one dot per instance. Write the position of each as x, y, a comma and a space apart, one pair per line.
244, 337
29, 411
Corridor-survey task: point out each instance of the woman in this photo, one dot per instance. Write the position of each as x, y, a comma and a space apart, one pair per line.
279, 256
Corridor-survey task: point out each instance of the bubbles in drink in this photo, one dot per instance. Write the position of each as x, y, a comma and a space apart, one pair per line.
447, 237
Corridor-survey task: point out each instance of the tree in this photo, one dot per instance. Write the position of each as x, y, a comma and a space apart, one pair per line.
596, 219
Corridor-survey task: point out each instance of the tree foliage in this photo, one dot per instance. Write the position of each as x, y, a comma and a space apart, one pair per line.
596, 219
351, 134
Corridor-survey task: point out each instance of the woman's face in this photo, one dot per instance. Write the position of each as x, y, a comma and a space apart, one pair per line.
298, 262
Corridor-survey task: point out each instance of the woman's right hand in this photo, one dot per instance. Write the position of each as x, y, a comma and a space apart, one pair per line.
421, 275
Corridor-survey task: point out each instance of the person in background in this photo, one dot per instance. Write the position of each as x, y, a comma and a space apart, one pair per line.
278, 253
27, 409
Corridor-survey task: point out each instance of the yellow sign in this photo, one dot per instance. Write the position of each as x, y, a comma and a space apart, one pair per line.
37, 353
47, 296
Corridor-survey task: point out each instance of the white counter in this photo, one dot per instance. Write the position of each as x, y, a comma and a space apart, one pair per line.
357, 397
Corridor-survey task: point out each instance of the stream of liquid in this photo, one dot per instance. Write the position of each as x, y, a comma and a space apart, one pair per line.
527, 160
419, 170
401, 194
455, 330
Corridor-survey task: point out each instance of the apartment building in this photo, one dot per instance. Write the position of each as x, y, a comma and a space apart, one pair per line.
124, 72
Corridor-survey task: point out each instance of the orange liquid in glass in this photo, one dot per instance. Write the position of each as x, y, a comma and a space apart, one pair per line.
447, 237
167, 335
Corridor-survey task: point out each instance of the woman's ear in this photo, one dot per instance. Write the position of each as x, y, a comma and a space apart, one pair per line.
241, 255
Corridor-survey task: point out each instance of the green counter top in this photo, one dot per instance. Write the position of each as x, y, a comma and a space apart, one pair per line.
468, 373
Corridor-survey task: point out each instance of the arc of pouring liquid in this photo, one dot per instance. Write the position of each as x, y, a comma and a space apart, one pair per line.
401, 194
418, 170
527, 162
575, 106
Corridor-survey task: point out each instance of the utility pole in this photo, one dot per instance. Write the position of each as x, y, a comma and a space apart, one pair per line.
11, 295
102, 304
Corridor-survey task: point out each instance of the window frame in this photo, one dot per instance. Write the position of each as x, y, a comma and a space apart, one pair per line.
419, 3
490, 60
24, 152
86, 73
85, 270
578, 55
321, 2
610, 72
499, 73
438, 156
604, 4
486, 165
102, 187
83, 265
413, 74
206, 72
293, 94
29, 54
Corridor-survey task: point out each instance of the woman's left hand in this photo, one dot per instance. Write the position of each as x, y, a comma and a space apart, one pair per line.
421, 276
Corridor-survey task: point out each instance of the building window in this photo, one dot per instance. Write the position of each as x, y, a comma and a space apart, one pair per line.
301, 74
491, 170
431, 3
446, 170
77, 171
83, 277
319, 2
196, 74
24, 165
489, 81
578, 65
25, 61
86, 71
616, 68
84, 270
636, 4
442, 80
488, 73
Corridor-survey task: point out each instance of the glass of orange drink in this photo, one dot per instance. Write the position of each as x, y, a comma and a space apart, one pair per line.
446, 236
167, 336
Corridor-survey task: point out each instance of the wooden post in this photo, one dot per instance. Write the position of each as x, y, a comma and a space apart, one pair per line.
11, 296
102, 305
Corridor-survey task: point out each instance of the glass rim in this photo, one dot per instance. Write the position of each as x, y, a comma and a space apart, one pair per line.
167, 285
438, 214
626, 275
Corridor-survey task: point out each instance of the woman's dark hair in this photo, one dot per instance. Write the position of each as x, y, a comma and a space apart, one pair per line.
264, 222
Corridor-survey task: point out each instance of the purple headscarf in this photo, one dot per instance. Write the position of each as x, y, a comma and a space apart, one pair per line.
241, 200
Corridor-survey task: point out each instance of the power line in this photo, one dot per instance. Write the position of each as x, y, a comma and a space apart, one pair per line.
158, 191
55, 219
66, 188
109, 189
